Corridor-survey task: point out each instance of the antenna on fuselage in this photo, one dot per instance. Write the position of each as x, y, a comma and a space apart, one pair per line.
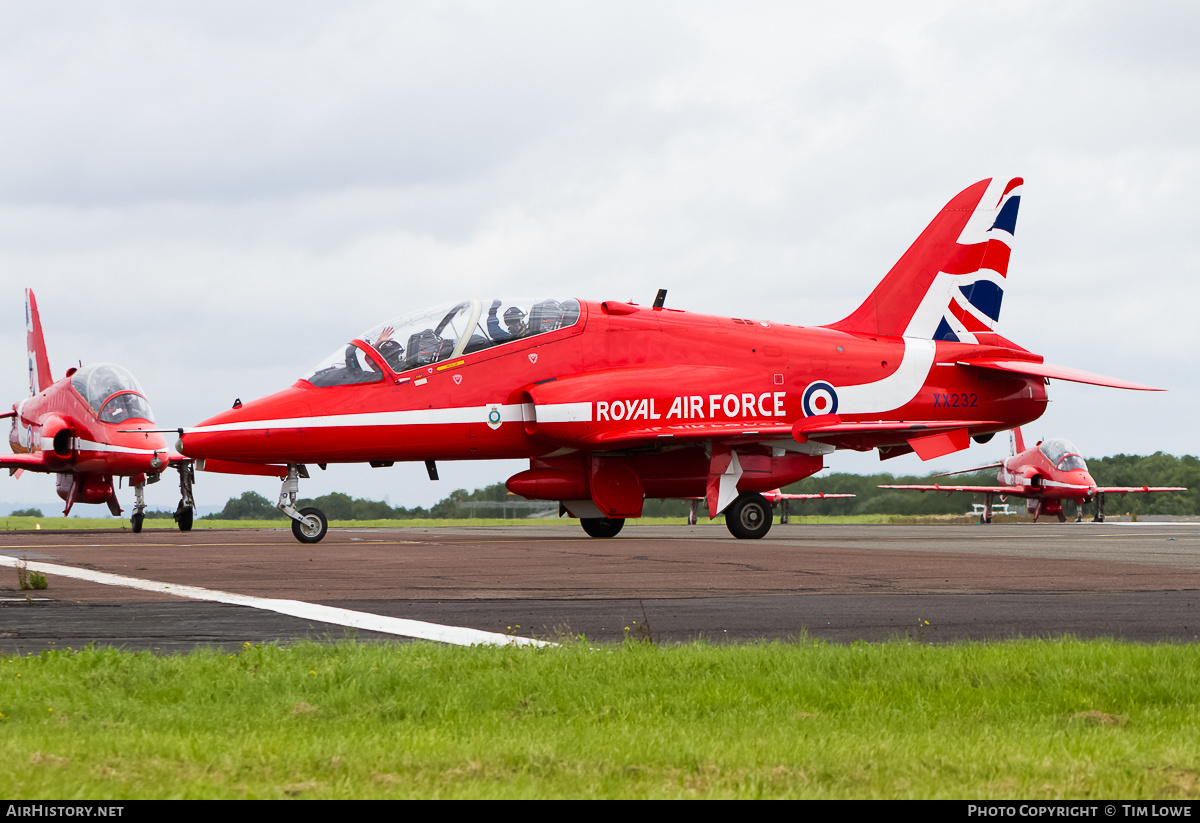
660, 299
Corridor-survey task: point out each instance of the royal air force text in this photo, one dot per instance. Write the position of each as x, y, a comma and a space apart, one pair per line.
694, 407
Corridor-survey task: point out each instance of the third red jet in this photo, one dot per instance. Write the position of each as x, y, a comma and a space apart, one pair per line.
613, 402
1047, 475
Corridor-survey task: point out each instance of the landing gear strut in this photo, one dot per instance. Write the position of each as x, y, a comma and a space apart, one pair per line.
187, 506
139, 507
308, 525
1099, 516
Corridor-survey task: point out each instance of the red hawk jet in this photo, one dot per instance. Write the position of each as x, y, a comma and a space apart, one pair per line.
612, 402
1047, 475
92, 426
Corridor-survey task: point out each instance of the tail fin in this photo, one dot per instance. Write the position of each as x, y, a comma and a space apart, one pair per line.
39, 364
949, 284
1018, 441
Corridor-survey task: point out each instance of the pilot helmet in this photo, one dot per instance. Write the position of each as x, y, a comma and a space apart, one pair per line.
392, 351
513, 316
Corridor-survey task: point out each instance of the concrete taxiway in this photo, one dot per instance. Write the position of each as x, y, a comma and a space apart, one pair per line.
1135, 581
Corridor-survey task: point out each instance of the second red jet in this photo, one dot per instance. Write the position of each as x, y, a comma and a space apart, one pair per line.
613, 402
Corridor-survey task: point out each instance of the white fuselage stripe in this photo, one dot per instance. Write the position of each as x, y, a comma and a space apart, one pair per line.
895, 390
89, 445
511, 413
455, 635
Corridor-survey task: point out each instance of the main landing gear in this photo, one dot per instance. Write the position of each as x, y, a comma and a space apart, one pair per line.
308, 525
602, 526
187, 506
749, 516
139, 503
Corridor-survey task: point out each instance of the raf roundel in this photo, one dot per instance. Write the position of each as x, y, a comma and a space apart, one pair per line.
820, 398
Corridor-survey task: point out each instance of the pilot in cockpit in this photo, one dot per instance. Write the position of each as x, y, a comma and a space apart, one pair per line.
514, 318
391, 350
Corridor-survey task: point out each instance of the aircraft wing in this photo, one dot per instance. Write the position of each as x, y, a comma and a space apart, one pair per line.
31, 461
1124, 490
970, 471
1053, 371
235, 467
928, 438
1011, 491
727, 432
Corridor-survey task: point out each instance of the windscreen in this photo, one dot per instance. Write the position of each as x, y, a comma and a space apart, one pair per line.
112, 392
421, 338
1063, 454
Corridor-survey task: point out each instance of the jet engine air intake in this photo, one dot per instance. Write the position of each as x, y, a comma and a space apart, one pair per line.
61, 435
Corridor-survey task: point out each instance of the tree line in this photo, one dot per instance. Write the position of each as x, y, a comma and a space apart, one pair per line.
494, 501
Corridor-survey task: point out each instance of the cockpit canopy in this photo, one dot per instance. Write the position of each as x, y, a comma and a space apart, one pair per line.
113, 392
1062, 453
450, 330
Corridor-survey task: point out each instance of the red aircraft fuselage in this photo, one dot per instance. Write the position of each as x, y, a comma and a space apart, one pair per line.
613, 402
604, 385
59, 430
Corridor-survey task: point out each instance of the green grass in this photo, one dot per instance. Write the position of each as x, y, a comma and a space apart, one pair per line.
1030, 719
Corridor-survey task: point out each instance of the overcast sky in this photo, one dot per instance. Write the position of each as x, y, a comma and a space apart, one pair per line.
218, 194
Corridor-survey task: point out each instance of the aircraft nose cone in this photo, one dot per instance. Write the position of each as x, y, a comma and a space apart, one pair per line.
248, 431
1085, 479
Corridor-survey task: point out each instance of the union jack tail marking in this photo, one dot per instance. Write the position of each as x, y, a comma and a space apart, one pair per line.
950, 283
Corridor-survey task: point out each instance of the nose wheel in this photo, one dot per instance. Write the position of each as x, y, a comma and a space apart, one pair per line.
311, 526
308, 525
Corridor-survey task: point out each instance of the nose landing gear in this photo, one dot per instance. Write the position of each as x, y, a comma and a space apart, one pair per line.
309, 524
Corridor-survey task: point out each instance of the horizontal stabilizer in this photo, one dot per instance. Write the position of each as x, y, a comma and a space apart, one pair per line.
1055, 372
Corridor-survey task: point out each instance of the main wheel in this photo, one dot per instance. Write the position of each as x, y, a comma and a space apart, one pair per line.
184, 519
312, 528
602, 526
749, 517
136, 522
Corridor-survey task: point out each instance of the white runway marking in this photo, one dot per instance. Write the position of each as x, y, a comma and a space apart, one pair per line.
295, 608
